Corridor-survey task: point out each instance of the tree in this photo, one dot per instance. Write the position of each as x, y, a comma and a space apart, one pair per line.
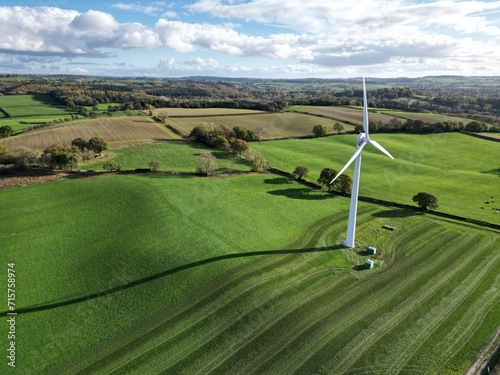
154, 165
4, 150
239, 146
300, 172
207, 163
111, 166
344, 183
80, 143
475, 126
338, 127
326, 175
97, 144
163, 116
319, 130
6, 131
258, 163
60, 156
359, 129
27, 157
426, 201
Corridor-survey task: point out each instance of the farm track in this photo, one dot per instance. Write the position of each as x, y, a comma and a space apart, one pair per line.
250, 319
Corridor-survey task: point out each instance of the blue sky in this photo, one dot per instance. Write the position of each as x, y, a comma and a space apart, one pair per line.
251, 38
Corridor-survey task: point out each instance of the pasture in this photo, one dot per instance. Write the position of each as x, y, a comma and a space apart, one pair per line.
273, 125
29, 110
449, 166
172, 155
116, 131
260, 288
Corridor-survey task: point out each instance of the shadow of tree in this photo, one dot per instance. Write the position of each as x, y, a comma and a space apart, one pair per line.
302, 193
495, 171
278, 181
359, 267
59, 303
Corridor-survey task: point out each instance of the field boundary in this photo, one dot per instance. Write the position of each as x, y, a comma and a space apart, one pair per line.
383, 202
482, 136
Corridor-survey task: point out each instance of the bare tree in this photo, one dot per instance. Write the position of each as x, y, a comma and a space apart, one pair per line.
207, 163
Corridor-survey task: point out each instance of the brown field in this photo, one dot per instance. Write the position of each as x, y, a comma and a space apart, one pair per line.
275, 125
187, 112
353, 115
425, 117
115, 130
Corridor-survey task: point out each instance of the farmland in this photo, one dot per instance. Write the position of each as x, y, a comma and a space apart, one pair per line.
274, 125
257, 290
114, 130
172, 155
245, 273
350, 114
26, 110
446, 165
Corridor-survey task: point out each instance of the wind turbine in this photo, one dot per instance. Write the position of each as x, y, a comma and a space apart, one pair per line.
362, 141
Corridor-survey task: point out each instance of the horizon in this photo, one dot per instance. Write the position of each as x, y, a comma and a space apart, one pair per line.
253, 39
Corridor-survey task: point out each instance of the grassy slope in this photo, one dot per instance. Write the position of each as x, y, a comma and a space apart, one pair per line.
454, 167
267, 312
173, 156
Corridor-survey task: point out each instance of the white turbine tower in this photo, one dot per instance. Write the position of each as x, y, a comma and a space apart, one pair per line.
362, 141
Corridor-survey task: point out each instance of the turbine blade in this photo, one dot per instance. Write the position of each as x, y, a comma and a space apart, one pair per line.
358, 151
377, 145
365, 111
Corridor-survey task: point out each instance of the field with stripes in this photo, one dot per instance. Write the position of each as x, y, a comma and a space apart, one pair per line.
197, 283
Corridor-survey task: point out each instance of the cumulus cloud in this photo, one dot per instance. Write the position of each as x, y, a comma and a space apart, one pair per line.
324, 34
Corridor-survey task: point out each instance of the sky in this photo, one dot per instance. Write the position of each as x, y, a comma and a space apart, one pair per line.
251, 38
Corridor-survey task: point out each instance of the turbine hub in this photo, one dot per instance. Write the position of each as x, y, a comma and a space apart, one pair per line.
361, 138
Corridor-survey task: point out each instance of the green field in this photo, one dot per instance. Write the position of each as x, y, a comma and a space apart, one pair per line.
240, 275
462, 171
29, 110
172, 155
274, 125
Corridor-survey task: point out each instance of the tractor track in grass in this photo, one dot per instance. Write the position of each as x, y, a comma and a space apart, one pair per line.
146, 332
282, 315
363, 309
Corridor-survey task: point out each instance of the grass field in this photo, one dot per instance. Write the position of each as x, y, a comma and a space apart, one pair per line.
31, 109
173, 156
259, 285
449, 166
115, 130
275, 125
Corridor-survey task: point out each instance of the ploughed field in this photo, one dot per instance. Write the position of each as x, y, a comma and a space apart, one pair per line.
245, 274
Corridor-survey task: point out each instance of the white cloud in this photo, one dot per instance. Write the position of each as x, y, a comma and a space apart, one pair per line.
150, 10
167, 64
202, 64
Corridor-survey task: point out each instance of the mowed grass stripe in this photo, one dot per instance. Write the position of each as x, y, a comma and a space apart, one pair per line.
370, 299
190, 338
400, 324
275, 276
306, 318
169, 319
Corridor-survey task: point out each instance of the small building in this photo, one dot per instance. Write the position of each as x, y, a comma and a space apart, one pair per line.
369, 264
371, 250
389, 227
